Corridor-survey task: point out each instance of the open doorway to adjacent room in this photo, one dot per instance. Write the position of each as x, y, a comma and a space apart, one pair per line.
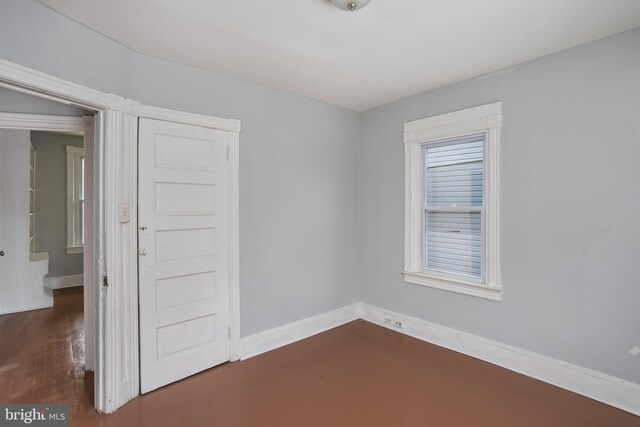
46, 306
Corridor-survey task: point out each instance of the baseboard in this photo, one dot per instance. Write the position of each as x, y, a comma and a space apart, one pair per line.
64, 281
271, 339
28, 308
595, 385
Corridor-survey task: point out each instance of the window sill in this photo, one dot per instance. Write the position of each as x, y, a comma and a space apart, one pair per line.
74, 250
493, 293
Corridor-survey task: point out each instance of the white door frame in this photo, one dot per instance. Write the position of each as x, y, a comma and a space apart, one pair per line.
117, 376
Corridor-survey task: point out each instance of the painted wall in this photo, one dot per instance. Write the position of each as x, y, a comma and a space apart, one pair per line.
570, 204
51, 201
12, 101
21, 287
298, 157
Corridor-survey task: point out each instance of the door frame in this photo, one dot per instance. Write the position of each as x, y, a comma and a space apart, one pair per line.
117, 370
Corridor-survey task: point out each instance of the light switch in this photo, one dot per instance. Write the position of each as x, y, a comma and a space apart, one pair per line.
123, 213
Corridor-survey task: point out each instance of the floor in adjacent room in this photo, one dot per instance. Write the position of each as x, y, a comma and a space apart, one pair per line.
358, 374
42, 354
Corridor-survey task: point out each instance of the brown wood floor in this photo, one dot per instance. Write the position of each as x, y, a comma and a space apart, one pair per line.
355, 375
42, 354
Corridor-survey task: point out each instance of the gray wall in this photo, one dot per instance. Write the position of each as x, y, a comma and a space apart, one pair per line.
570, 206
12, 101
298, 180
51, 201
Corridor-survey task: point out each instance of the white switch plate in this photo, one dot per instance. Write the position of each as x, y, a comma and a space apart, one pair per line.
123, 212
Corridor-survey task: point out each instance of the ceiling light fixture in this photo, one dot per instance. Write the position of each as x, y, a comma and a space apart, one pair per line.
350, 5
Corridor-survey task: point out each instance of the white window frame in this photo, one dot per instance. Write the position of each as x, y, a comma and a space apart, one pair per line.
486, 120
74, 209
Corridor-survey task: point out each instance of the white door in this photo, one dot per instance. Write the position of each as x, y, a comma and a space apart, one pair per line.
21, 281
184, 251
14, 219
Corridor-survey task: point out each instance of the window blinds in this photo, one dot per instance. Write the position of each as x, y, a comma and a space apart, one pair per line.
453, 195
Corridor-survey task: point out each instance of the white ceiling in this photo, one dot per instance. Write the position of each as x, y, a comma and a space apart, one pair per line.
389, 50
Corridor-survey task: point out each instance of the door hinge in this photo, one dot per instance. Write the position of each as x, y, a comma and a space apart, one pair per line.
229, 332
105, 281
228, 150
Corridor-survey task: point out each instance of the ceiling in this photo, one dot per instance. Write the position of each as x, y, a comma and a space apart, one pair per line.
389, 50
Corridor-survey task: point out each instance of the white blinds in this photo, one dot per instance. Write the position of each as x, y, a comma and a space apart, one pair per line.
453, 195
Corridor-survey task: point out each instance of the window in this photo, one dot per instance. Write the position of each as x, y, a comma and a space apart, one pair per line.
32, 199
452, 207
75, 199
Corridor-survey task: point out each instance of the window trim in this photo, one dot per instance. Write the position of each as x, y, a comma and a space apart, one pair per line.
484, 119
74, 183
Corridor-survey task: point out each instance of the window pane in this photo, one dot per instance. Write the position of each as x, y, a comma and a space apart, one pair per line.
81, 178
454, 173
454, 242
81, 222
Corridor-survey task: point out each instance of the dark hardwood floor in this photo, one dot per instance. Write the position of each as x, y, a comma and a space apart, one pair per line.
355, 375
42, 354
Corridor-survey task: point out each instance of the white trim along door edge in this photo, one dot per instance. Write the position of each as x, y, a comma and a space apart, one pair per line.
117, 377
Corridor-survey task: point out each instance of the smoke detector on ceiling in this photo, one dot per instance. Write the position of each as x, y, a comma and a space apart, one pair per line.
350, 5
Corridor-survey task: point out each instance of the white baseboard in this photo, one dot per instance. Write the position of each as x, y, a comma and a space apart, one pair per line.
595, 385
64, 281
45, 304
271, 339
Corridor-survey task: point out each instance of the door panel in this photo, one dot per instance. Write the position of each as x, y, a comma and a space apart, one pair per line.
19, 291
185, 199
184, 277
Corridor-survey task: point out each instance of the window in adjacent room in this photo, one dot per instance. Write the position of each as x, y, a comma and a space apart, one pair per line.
452, 201
75, 199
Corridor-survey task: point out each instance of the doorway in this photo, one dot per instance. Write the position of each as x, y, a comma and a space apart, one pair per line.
46, 309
